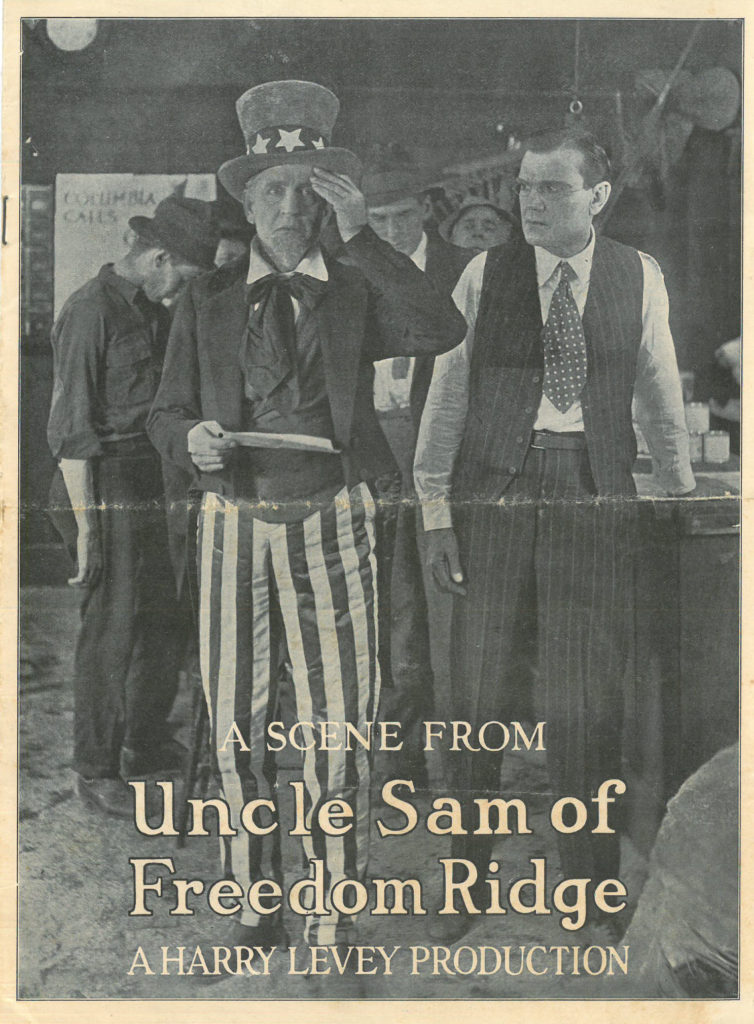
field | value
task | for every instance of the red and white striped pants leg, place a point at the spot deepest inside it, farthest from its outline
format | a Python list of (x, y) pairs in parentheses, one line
[(324, 575), (238, 663)]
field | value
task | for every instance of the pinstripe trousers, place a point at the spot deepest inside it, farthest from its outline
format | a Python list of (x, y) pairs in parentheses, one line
[(550, 576), (316, 577)]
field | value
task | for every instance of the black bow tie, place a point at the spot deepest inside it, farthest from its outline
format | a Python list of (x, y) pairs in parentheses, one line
[(269, 352), (305, 289)]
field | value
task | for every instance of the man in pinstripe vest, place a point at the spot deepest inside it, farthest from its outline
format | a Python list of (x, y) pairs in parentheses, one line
[(524, 467), (284, 343)]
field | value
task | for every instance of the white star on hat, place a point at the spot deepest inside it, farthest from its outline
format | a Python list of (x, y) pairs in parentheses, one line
[(260, 145), (319, 143), (290, 140)]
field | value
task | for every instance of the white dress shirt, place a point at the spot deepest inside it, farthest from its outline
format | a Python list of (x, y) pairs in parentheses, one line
[(658, 398), (395, 392)]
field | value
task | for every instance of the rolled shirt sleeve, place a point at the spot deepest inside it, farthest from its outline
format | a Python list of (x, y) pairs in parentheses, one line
[(444, 418), (658, 396), (78, 341)]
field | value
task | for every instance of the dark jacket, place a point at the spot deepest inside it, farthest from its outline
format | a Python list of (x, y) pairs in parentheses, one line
[(445, 264), (379, 306)]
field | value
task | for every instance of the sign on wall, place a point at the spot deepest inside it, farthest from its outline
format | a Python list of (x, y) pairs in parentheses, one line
[(92, 213), (36, 262)]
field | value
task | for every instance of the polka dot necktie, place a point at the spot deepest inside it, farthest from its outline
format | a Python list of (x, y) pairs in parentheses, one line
[(564, 344)]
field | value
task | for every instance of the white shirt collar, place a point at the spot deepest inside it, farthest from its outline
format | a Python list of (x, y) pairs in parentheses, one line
[(581, 263), (419, 255), (312, 264)]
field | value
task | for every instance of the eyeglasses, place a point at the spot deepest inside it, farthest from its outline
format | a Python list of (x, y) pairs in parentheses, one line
[(552, 190)]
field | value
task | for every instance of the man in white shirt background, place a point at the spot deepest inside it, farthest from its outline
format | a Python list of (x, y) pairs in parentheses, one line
[(415, 621), (524, 469)]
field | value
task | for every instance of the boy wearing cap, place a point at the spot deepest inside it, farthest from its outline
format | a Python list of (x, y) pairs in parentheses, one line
[(479, 224), (285, 345), (108, 346)]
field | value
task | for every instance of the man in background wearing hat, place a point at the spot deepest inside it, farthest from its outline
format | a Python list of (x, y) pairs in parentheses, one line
[(479, 224), (416, 624), (108, 346), (235, 231), (285, 345)]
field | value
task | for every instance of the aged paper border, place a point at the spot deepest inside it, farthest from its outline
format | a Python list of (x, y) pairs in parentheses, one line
[(126, 1011)]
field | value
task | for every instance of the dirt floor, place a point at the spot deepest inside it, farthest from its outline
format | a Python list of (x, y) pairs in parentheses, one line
[(77, 940)]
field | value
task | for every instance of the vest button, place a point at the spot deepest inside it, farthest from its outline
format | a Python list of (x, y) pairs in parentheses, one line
[(529, 408), (512, 470), (536, 378), (520, 439)]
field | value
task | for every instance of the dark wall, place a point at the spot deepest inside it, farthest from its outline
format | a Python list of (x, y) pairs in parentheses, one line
[(157, 96)]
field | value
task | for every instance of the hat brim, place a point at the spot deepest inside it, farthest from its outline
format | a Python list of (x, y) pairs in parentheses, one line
[(445, 230), (395, 195), (203, 257), (234, 174)]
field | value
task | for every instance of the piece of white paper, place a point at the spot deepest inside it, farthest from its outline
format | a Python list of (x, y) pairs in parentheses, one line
[(294, 442)]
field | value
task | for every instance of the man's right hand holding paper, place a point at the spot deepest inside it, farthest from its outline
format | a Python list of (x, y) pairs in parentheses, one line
[(208, 449)]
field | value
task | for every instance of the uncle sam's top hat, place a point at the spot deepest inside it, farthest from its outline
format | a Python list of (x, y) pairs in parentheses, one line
[(287, 122)]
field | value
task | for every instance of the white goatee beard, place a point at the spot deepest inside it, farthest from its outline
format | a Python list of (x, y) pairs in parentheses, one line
[(286, 249), (286, 254)]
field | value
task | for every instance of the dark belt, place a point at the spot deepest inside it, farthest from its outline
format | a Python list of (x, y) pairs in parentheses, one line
[(574, 441), (127, 446)]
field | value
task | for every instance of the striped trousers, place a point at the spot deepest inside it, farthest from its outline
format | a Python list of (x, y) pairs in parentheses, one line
[(550, 581), (316, 579)]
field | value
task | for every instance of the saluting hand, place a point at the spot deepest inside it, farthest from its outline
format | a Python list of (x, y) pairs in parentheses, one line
[(346, 199)]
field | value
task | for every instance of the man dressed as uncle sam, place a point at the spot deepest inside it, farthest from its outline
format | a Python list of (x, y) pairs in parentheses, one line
[(284, 344)]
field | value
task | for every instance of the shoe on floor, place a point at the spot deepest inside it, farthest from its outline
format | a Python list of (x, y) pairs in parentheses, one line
[(111, 796), (267, 933), (448, 928), (167, 756)]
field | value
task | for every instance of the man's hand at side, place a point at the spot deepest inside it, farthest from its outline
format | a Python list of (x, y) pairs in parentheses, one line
[(88, 557), (444, 561), (78, 475), (208, 449)]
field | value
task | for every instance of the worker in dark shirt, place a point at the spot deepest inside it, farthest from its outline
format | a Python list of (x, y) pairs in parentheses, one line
[(108, 346)]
